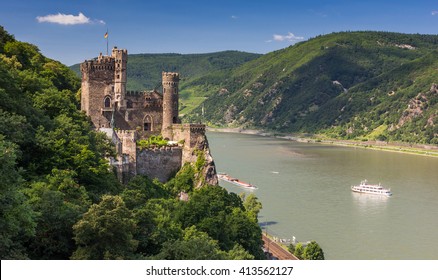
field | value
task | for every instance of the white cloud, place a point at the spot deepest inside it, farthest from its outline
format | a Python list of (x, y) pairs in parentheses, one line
[(68, 19), (434, 13), (290, 37), (234, 17)]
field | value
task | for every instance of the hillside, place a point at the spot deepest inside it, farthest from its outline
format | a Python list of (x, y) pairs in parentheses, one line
[(353, 85)]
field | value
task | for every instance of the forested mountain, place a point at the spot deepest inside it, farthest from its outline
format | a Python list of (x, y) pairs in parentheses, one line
[(354, 85), (59, 198)]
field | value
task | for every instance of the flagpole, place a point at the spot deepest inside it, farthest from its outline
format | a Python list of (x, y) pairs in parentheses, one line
[(107, 42)]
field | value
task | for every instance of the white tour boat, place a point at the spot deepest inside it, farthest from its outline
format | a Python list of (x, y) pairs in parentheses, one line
[(364, 187)]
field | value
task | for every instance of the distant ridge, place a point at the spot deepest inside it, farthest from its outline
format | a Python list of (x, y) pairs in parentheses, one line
[(144, 70)]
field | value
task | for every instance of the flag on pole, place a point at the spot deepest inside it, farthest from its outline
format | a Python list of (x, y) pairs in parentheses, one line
[(106, 35)]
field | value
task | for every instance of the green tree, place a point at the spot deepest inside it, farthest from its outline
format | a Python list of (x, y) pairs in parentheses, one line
[(157, 224), (140, 189), (239, 253), (105, 231), (313, 252), (183, 180), (194, 245), (16, 217), (252, 205), (299, 250), (243, 230), (59, 203)]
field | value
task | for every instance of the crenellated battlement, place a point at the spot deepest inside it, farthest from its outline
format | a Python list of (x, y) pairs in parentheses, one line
[(100, 63), (170, 77), (192, 127), (126, 133), (115, 51)]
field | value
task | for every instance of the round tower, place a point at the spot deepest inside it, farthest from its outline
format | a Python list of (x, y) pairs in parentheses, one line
[(170, 102)]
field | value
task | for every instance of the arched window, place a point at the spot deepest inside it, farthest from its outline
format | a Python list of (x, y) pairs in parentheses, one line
[(147, 123), (129, 104), (107, 102)]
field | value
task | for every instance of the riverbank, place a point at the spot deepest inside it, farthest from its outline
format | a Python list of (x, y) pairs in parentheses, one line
[(415, 149)]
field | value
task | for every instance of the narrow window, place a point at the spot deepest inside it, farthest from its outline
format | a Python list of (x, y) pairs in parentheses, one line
[(107, 102), (147, 124)]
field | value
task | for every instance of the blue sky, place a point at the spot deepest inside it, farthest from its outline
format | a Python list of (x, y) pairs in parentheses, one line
[(73, 30)]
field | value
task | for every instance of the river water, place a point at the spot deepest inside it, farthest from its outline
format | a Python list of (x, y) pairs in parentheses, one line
[(305, 192)]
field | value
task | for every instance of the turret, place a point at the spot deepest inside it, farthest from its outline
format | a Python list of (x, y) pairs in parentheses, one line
[(170, 102)]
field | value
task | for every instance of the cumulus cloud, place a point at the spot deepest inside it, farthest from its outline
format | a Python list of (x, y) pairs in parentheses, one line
[(290, 37), (68, 19), (434, 13)]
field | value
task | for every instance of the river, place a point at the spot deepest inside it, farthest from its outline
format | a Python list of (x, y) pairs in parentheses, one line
[(305, 192)]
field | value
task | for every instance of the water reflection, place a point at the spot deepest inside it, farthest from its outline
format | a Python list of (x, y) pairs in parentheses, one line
[(367, 202)]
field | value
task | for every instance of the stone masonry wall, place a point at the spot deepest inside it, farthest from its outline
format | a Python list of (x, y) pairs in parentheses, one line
[(159, 163)]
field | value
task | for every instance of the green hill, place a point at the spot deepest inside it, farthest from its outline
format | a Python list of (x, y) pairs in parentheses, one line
[(353, 85)]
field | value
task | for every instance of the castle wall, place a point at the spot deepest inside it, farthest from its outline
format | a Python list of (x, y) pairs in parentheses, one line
[(159, 163), (193, 136), (127, 152)]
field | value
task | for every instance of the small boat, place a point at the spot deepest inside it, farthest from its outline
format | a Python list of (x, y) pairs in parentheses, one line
[(364, 187), (227, 178)]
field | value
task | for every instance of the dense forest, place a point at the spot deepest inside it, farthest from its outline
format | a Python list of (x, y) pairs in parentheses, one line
[(59, 198)]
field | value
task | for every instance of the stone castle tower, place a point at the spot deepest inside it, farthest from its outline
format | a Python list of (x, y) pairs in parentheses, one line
[(128, 116), (170, 102), (120, 77)]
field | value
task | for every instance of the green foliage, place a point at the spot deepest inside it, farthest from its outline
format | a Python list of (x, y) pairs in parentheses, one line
[(183, 181), (140, 189), (299, 251), (221, 215), (16, 217), (252, 205), (313, 252), (154, 141), (105, 231), (194, 245), (59, 203), (200, 160), (55, 158)]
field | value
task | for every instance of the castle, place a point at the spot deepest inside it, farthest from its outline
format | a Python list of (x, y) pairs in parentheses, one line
[(129, 116)]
